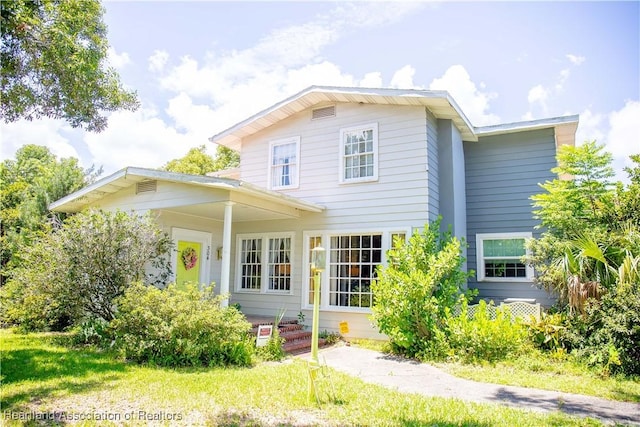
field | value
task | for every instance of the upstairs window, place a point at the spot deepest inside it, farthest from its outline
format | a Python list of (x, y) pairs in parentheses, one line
[(359, 153), (284, 170), (499, 257)]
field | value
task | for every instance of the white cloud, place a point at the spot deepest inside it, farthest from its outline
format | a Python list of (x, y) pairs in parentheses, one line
[(618, 130), (137, 138), (285, 52), (590, 127), (576, 59), (403, 78), (537, 98), (117, 60), (45, 131), (373, 80), (158, 60), (473, 102), (623, 138)]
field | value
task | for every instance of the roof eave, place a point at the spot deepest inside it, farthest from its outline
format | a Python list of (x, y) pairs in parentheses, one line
[(232, 136), (200, 180)]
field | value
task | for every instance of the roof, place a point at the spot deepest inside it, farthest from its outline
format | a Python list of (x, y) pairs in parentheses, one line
[(564, 126), (440, 103), (129, 176)]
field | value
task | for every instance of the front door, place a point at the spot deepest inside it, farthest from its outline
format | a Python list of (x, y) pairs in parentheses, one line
[(191, 260)]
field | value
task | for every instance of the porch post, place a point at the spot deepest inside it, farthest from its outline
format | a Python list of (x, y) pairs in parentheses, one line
[(226, 251)]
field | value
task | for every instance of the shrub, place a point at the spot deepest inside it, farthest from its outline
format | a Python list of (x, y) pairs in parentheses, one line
[(548, 332), (482, 338), (422, 281), (93, 332), (613, 339), (75, 272), (174, 327)]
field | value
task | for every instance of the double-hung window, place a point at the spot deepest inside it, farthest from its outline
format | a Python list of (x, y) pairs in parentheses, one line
[(284, 170), (359, 153), (264, 263), (499, 257)]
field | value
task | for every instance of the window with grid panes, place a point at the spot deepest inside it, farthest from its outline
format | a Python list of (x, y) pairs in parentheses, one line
[(353, 260), (500, 257), (314, 242), (251, 264), (279, 264), (283, 163), (359, 153)]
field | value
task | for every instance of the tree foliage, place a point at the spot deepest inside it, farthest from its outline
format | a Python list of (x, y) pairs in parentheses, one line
[(198, 162), (577, 196), (28, 185), (421, 284), (590, 252), (78, 270), (54, 63)]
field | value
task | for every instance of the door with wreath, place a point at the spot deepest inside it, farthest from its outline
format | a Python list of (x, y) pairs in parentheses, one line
[(191, 257)]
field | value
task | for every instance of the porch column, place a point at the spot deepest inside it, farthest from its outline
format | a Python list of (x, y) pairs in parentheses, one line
[(226, 251)]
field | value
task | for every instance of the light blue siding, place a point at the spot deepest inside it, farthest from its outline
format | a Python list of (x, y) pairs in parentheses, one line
[(502, 172)]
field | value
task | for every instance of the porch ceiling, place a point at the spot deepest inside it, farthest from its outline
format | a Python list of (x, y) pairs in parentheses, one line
[(241, 212)]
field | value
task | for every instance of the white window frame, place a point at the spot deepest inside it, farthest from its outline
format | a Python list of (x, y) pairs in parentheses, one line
[(343, 157), (480, 259), (264, 262), (295, 178), (326, 236)]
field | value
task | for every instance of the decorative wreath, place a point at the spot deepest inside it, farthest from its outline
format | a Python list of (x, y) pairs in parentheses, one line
[(189, 258)]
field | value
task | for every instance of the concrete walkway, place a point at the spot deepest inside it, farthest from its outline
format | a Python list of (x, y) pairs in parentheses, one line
[(413, 377)]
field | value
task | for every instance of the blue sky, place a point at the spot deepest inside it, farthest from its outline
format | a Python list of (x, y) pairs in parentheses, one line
[(200, 67)]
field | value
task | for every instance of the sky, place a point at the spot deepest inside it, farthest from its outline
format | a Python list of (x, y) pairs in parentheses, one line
[(200, 67)]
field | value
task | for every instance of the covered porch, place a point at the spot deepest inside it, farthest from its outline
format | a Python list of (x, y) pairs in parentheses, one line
[(220, 202)]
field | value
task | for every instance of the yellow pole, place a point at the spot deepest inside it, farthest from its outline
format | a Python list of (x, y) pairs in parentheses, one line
[(314, 364), (316, 316)]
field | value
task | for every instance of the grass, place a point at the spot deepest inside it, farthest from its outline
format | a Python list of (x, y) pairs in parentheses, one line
[(537, 370), (41, 377)]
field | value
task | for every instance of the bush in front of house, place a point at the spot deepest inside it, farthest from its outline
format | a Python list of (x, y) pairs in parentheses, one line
[(174, 327), (413, 293), (74, 271), (483, 337)]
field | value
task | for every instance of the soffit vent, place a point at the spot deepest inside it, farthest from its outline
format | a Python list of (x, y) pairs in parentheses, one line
[(324, 112), (148, 186)]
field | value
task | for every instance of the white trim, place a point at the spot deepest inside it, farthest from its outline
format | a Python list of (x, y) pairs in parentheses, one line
[(296, 176), (341, 155), (264, 262), (480, 237)]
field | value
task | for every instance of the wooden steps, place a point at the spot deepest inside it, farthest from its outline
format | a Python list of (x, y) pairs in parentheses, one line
[(297, 339)]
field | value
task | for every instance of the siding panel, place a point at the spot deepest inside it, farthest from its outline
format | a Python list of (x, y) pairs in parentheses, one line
[(502, 172)]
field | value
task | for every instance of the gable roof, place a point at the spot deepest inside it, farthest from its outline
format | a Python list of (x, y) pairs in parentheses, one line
[(440, 103), (129, 176)]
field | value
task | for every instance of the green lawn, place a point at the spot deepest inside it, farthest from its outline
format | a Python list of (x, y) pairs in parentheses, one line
[(41, 378)]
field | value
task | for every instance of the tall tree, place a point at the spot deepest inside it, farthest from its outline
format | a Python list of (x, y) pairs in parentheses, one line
[(198, 162), (53, 59), (28, 185), (576, 198)]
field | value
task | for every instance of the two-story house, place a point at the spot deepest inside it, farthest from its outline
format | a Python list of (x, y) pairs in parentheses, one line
[(348, 169)]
